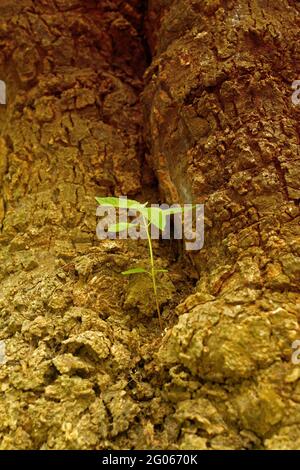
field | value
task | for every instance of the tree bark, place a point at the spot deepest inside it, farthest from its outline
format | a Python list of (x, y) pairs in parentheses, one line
[(222, 130), (85, 366), (71, 131)]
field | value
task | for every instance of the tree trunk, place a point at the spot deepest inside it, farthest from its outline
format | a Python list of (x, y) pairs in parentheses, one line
[(70, 132), (84, 365)]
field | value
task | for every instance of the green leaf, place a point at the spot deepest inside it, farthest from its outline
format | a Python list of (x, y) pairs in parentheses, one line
[(120, 203), (107, 201), (155, 216), (134, 271), (193, 206), (120, 227)]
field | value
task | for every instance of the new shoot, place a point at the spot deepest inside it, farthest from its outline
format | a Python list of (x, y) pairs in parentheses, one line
[(148, 216)]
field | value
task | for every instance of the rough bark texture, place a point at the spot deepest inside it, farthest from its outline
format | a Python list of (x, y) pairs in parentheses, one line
[(76, 333), (222, 130), (85, 365)]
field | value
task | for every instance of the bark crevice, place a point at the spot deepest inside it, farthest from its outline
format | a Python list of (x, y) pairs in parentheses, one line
[(212, 122)]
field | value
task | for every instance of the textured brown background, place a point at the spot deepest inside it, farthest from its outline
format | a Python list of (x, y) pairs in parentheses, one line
[(213, 117)]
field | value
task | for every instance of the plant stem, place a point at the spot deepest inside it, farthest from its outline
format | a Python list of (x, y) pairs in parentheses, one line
[(153, 272)]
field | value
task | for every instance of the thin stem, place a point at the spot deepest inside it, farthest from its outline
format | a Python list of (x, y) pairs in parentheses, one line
[(153, 273)]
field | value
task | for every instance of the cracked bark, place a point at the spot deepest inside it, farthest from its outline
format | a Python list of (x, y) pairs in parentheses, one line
[(220, 129)]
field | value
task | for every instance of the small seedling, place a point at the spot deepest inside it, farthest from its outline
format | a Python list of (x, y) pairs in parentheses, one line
[(148, 216)]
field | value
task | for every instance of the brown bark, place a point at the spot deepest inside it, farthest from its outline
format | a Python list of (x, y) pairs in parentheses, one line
[(82, 369), (222, 130)]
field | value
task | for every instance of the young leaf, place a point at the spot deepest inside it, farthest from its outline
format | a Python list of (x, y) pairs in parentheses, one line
[(108, 201), (192, 206), (155, 216), (178, 210), (134, 271), (119, 227), (121, 203)]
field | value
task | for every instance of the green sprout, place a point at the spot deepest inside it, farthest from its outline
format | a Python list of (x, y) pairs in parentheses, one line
[(149, 216)]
